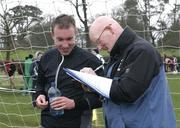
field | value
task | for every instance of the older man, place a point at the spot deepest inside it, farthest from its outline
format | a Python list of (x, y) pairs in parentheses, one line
[(139, 94)]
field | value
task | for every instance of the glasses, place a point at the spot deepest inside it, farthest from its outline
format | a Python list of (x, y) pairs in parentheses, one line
[(107, 27)]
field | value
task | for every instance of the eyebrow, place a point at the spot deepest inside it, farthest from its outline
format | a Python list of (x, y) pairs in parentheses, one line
[(68, 38)]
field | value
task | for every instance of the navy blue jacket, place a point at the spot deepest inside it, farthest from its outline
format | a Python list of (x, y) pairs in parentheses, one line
[(139, 95)]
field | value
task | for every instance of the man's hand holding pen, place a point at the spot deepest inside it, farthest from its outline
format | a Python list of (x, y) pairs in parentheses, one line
[(90, 70)]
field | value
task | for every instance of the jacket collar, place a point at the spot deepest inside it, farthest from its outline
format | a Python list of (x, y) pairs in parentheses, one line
[(124, 40)]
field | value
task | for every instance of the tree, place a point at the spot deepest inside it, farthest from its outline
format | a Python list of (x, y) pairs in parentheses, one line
[(82, 18), (6, 30), (129, 15), (133, 17), (150, 10), (119, 15), (23, 17), (172, 37), (40, 34), (15, 23), (141, 16)]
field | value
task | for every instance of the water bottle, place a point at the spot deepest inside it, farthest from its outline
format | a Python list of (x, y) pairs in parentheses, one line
[(53, 93)]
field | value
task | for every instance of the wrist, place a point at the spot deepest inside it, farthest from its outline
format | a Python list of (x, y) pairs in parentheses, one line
[(73, 104)]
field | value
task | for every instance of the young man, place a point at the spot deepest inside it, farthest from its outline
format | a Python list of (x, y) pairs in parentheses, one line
[(139, 95), (74, 99)]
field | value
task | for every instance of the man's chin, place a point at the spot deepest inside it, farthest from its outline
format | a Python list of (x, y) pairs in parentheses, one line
[(65, 53)]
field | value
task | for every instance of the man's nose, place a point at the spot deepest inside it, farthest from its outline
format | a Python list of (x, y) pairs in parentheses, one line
[(65, 44)]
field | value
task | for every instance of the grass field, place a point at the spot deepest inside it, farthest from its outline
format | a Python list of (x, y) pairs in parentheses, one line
[(16, 109)]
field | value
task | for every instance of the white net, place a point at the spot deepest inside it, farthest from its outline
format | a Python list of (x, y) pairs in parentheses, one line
[(25, 29)]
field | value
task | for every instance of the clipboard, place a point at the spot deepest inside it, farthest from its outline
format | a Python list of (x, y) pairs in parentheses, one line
[(101, 85)]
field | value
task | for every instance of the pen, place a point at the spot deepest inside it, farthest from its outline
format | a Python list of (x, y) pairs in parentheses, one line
[(101, 66)]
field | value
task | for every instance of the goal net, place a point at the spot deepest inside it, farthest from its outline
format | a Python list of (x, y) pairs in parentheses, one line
[(25, 30)]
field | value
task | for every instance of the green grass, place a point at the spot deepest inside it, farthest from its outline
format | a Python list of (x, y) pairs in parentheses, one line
[(20, 54), (16, 108), (169, 52), (174, 85)]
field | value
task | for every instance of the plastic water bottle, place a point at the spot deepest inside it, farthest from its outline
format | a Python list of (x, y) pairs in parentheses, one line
[(53, 93)]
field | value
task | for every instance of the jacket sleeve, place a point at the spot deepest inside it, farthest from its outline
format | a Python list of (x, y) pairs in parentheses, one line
[(41, 81), (91, 99), (141, 67)]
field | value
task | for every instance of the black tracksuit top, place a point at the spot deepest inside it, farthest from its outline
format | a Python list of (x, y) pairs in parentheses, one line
[(76, 60)]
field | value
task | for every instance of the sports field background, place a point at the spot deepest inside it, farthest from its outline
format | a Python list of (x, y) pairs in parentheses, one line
[(16, 109)]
